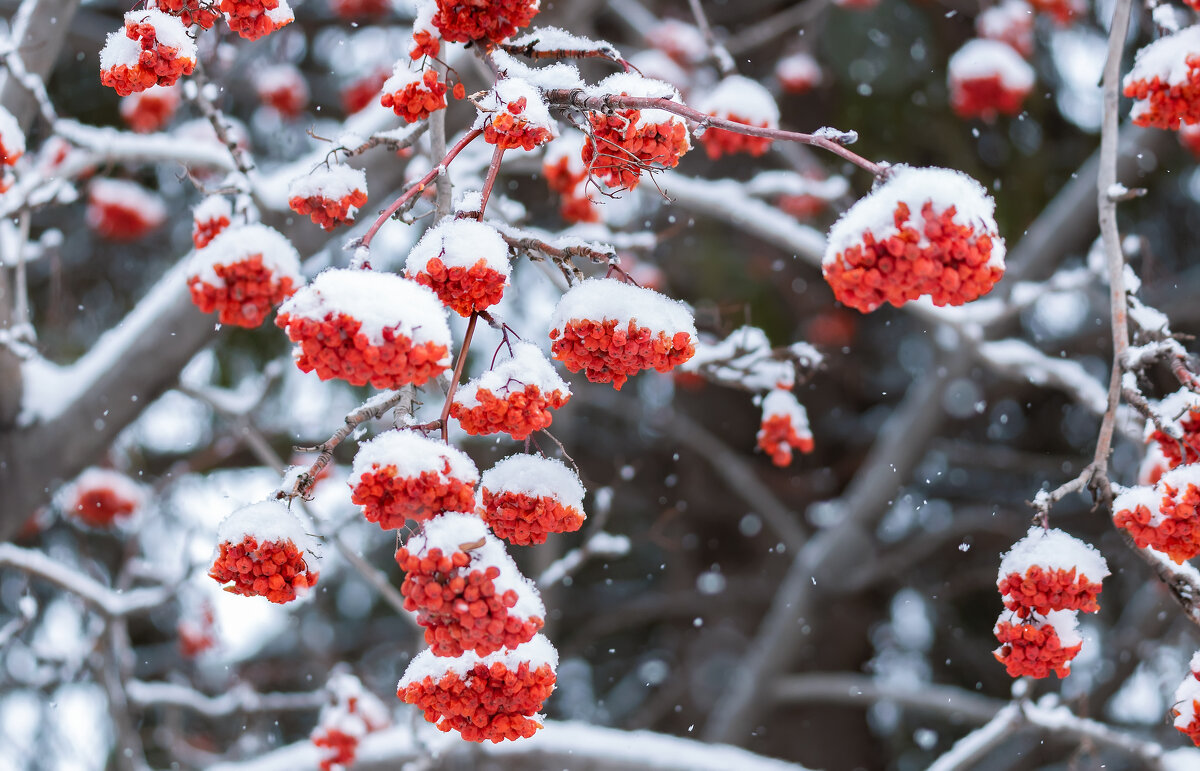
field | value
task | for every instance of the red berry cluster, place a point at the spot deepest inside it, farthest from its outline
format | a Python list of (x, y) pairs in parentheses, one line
[(359, 93), (343, 748), (1192, 729), (718, 142), (424, 44), (328, 212), (9, 155), (1064, 12), (335, 347), (985, 97), (1182, 450), (1165, 106), (802, 207), (204, 231), (101, 506), (483, 21), (252, 19), (249, 293), (1176, 532), (952, 267), (527, 519), (388, 499), (575, 206), (463, 290), (461, 609), (1033, 649), (621, 147), (1186, 710), (607, 354), (273, 569), (157, 64), (197, 637), (417, 99), (190, 12), (119, 220), (359, 9), (507, 129), (285, 91), (149, 110), (1043, 590), (517, 412), (777, 436)]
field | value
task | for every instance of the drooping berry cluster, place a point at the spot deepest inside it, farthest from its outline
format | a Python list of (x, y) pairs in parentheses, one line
[(402, 475), (494, 698), (413, 95), (330, 195), (202, 13), (922, 232), (527, 497), (624, 144), (515, 117), (741, 100), (284, 89), (1164, 517), (565, 174), (242, 273), (209, 218), (514, 397), (988, 78), (482, 21), (253, 19), (367, 327), (120, 210), (353, 713), (1165, 81), (152, 49), (1181, 417), (1009, 22), (150, 110), (261, 553), (1046, 580), (465, 589), (611, 330), (784, 427), (102, 498), (464, 262), (1186, 709)]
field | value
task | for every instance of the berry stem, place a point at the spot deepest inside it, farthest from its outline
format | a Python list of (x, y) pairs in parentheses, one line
[(458, 369), (419, 186), (490, 182)]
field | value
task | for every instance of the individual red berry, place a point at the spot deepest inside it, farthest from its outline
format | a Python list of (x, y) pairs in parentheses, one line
[(784, 427), (102, 498), (364, 327), (741, 100), (1009, 22), (487, 22), (413, 95), (1049, 570), (1165, 81), (243, 273), (514, 397), (119, 210), (331, 195), (464, 262), (627, 142), (1038, 645), (153, 49), (611, 330), (1164, 517), (988, 78), (261, 553), (465, 589), (402, 475), (924, 231), (527, 497)]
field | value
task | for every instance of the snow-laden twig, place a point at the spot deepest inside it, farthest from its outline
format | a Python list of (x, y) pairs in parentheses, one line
[(852, 688), (719, 55), (979, 742), (600, 544), (241, 699), (1019, 360), (108, 602)]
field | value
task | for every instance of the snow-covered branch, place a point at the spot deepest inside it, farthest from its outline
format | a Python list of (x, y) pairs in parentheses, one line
[(109, 602), (240, 699)]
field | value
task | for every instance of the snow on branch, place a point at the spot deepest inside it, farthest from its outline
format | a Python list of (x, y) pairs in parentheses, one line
[(1018, 359), (599, 545), (239, 700), (109, 602)]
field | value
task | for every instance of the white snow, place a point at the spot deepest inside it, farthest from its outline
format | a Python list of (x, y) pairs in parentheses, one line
[(536, 653), (241, 242), (1194, 664), (536, 476), (980, 59), (781, 402), (527, 366), (604, 299), (546, 39), (680, 38), (776, 182), (742, 99), (212, 209), (1066, 626), (460, 243), (280, 15), (745, 357), (412, 454), (379, 301), (169, 31), (1053, 550), (279, 77), (451, 529), (1166, 58), (402, 76), (128, 195), (11, 136), (1185, 696), (267, 521), (334, 182), (1142, 495), (559, 75), (1004, 20), (1173, 410), (655, 64), (915, 186), (632, 84), (799, 67)]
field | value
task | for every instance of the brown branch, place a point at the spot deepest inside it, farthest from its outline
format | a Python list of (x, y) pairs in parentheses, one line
[(490, 182), (373, 409), (458, 370)]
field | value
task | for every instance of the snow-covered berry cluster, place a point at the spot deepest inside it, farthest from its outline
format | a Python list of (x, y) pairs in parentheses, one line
[(152, 49), (402, 475), (798, 73), (209, 218), (988, 78), (1186, 709), (260, 553), (515, 117), (1165, 81), (465, 589), (741, 100), (199, 634), (199, 13), (353, 713), (120, 210), (1009, 22), (150, 110), (527, 497), (464, 262), (923, 231), (102, 498), (425, 40), (1164, 517), (493, 698), (482, 21), (1046, 580), (282, 88), (360, 9), (1180, 414), (253, 19), (329, 194), (367, 327), (413, 95), (623, 144), (514, 397), (242, 273), (784, 427), (610, 330), (566, 174)]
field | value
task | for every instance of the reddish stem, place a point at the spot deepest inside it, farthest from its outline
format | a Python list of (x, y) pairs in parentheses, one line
[(458, 370), (419, 185), (490, 182)]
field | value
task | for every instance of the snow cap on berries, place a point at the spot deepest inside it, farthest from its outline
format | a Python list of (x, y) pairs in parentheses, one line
[(784, 427), (12, 139), (741, 99), (426, 41), (464, 261), (1163, 82), (121, 210), (210, 217), (1009, 22), (681, 41), (101, 497), (1051, 570), (798, 72), (986, 78), (266, 522), (632, 84), (402, 475), (330, 194), (537, 476), (513, 397), (607, 299), (260, 552), (1186, 707), (239, 243), (243, 272), (1053, 549), (527, 497), (353, 713), (413, 95), (513, 115), (253, 19), (282, 87), (1179, 414), (152, 48)]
